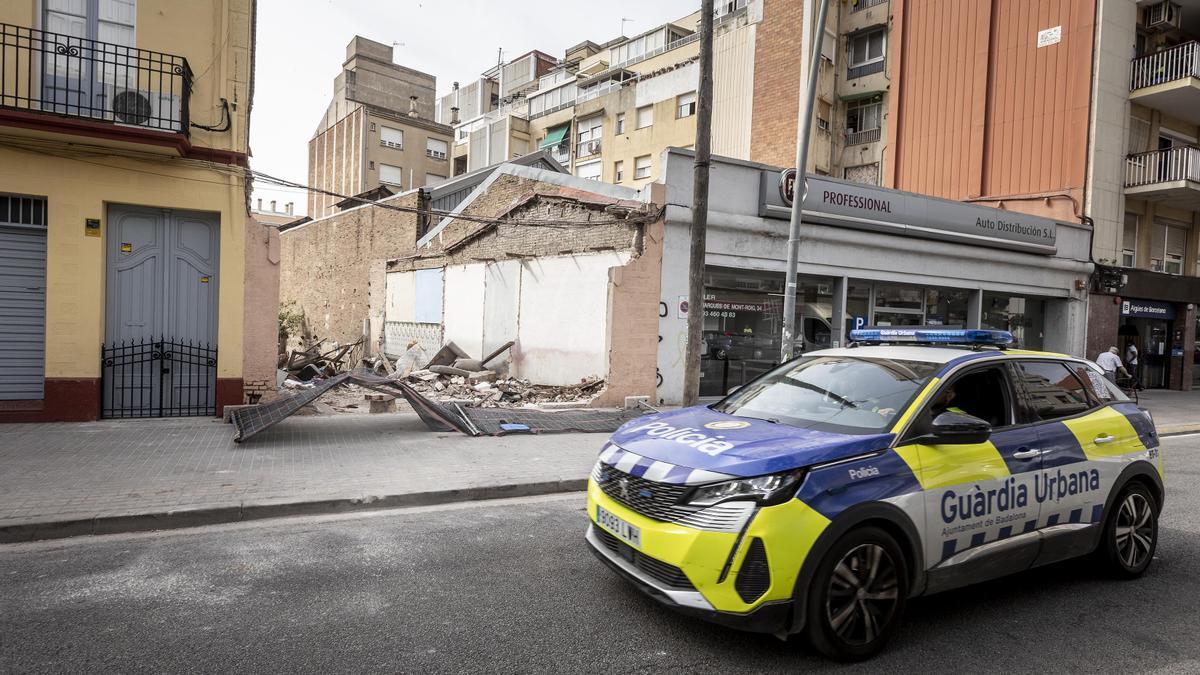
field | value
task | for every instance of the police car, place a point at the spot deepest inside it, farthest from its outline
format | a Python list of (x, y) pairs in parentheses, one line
[(821, 496)]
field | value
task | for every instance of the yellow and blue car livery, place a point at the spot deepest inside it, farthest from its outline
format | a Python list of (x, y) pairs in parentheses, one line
[(674, 508)]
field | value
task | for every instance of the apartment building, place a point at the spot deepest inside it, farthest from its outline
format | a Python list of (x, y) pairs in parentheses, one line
[(126, 249), (378, 135)]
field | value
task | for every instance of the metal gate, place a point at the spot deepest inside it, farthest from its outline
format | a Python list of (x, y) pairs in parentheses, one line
[(158, 378)]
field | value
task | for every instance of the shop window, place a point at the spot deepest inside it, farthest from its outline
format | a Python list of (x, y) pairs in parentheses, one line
[(1023, 317), (1129, 241), (944, 307), (641, 167)]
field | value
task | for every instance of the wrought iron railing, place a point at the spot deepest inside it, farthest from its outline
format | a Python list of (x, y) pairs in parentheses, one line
[(1163, 166), (864, 136), (76, 77), (158, 377), (1168, 65)]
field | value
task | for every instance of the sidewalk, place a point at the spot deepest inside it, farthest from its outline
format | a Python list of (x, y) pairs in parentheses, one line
[(62, 480)]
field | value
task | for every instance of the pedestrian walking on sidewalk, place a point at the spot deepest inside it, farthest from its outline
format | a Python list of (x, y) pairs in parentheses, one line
[(1110, 361)]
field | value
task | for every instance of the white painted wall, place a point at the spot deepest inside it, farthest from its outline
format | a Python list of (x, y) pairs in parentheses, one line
[(502, 296), (563, 335), (400, 303), (462, 307), (669, 85)]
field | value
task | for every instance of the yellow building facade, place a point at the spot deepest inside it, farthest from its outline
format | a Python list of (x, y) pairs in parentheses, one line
[(123, 147)]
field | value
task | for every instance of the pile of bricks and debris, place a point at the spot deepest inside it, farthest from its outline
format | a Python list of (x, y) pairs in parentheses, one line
[(452, 376)]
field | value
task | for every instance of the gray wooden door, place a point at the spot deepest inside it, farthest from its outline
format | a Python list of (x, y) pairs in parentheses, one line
[(22, 302), (162, 284)]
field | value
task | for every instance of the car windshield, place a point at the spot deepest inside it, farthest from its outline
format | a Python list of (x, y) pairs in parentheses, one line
[(832, 393)]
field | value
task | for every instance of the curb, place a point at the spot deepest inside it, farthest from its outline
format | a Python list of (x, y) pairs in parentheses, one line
[(171, 520)]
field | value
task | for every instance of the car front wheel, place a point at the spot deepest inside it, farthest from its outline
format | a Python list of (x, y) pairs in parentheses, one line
[(858, 595)]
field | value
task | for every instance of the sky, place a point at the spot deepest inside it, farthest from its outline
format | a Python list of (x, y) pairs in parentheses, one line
[(302, 43)]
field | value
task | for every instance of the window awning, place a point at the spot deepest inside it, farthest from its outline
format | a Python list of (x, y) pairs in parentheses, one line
[(555, 135), (859, 95)]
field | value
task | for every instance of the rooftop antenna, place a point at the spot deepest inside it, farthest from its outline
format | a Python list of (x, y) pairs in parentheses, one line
[(623, 25), (499, 55)]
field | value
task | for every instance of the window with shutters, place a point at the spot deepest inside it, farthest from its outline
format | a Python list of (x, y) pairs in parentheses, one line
[(391, 175), (620, 123), (645, 116), (435, 148), (641, 167), (432, 179), (391, 138), (867, 51), (590, 170), (1168, 242), (618, 171), (685, 105), (1129, 241), (590, 131)]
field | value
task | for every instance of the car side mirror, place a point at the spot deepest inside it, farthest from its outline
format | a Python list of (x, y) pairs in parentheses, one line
[(951, 428)]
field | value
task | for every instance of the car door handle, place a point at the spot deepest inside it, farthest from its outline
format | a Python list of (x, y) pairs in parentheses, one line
[(1106, 438), (1026, 454)]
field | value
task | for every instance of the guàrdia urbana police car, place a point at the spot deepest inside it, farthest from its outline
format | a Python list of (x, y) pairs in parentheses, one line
[(820, 497)]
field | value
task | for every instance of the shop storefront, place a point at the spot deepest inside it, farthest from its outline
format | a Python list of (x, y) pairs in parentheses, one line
[(869, 256), (1154, 312)]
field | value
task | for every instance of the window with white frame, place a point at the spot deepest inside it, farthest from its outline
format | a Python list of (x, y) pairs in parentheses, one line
[(641, 167), (589, 131), (638, 46), (685, 105), (590, 170), (867, 51), (391, 175), (391, 138), (863, 120), (435, 148), (1129, 241), (645, 116), (620, 123), (1168, 242), (618, 171)]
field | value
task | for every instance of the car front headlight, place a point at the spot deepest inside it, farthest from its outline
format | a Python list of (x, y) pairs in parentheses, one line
[(766, 490)]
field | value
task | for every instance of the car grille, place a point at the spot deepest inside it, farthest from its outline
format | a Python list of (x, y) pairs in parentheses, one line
[(754, 578), (666, 574), (660, 501)]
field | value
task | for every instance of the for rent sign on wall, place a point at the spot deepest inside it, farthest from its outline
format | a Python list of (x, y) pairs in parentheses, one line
[(836, 202)]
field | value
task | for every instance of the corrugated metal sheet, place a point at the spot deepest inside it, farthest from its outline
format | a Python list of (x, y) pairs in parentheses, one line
[(733, 92), (981, 109), (23, 306)]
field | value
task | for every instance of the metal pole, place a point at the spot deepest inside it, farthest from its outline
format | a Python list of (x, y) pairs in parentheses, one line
[(803, 134), (695, 318)]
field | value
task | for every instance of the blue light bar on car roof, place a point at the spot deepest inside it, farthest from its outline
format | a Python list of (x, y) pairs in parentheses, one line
[(949, 336)]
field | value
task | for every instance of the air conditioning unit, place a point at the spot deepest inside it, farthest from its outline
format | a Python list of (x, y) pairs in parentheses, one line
[(143, 108), (593, 147), (1163, 16)]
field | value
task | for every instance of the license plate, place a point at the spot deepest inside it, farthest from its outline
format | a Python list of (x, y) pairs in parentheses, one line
[(630, 534)]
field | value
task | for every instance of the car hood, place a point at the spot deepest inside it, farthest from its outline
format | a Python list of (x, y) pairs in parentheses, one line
[(701, 438)]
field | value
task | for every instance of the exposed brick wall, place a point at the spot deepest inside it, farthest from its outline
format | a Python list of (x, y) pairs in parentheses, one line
[(326, 265), (776, 83)]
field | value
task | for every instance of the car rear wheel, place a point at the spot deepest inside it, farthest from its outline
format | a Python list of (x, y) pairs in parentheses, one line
[(858, 595), (1131, 532)]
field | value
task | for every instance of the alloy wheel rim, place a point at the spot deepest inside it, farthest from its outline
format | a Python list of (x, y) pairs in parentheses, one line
[(1134, 530), (863, 592)]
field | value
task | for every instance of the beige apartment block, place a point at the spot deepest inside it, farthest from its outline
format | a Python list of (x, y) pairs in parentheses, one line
[(378, 132)]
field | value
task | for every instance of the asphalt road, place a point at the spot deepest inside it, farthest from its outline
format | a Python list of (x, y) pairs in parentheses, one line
[(509, 587)]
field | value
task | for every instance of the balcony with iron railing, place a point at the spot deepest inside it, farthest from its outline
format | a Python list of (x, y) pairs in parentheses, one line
[(1170, 176), (1169, 81), (54, 81), (864, 136)]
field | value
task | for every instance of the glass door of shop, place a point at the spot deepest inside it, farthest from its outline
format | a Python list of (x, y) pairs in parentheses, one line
[(899, 306)]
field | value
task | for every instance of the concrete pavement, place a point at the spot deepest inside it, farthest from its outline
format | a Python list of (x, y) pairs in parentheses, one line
[(61, 480), (508, 587)]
